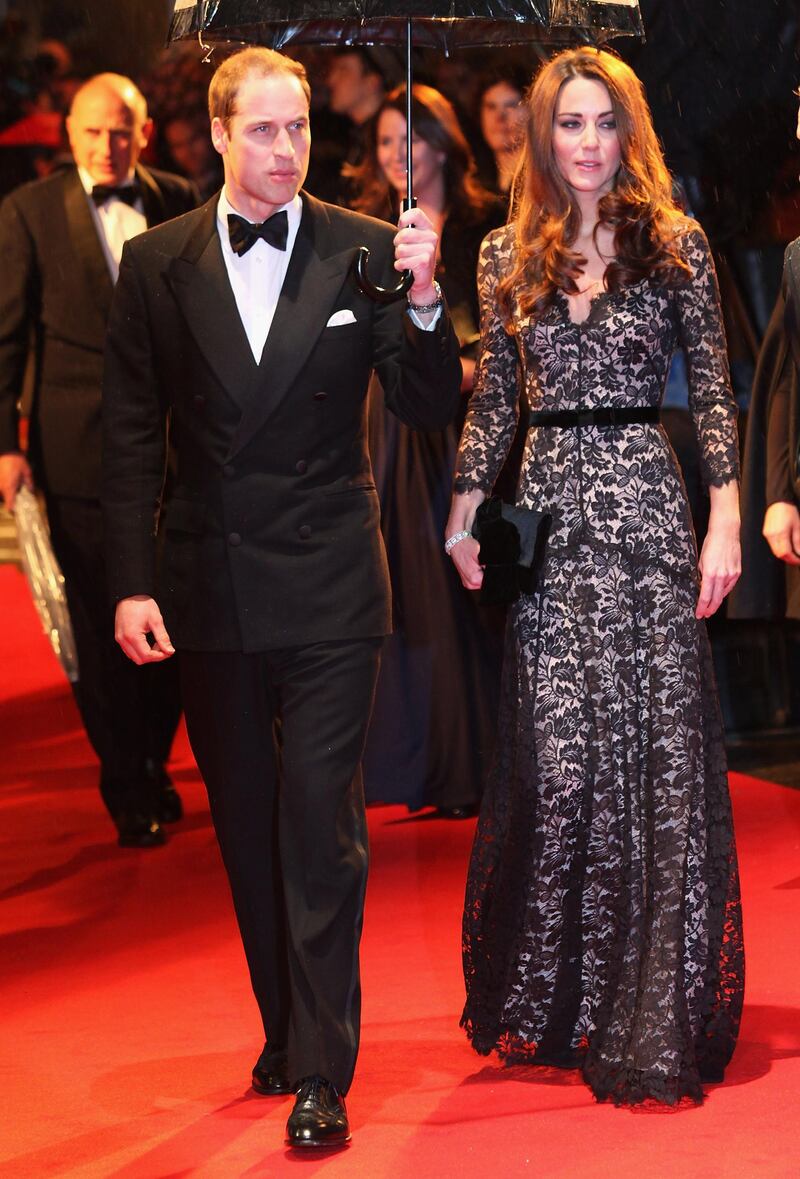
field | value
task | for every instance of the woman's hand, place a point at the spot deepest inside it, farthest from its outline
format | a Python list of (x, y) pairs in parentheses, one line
[(464, 554), (721, 557)]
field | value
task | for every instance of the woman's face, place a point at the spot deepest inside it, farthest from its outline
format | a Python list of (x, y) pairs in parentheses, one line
[(503, 116), (585, 138), (391, 151)]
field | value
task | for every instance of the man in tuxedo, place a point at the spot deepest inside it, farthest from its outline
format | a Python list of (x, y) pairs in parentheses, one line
[(771, 470), (243, 324), (60, 243)]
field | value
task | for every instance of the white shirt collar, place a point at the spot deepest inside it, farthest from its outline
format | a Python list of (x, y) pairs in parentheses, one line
[(88, 183)]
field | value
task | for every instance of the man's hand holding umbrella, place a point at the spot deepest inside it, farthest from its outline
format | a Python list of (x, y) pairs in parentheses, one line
[(415, 247), (14, 473)]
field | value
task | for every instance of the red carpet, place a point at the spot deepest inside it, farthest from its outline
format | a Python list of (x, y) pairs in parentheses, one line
[(129, 1028)]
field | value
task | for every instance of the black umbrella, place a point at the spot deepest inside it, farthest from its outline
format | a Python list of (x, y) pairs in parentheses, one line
[(425, 24)]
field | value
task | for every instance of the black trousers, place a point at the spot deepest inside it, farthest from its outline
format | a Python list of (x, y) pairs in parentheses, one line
[(278, 737), (130, 713)]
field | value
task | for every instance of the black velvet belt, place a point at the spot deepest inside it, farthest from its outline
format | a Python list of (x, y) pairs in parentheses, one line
[(604, 415)]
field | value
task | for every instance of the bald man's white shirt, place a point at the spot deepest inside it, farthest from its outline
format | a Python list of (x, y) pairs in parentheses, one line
[(116, 221)]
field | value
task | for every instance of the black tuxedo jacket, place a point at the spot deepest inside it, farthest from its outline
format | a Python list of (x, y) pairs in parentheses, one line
[(768, 588), (55, 296), (791, 296), (272, 536)]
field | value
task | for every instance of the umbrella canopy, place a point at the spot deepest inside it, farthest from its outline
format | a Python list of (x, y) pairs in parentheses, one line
[(437, 24)]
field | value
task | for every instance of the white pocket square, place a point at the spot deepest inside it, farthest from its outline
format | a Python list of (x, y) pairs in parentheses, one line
[(341, 317)]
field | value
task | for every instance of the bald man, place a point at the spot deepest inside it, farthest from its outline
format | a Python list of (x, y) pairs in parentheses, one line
[(61, 241)]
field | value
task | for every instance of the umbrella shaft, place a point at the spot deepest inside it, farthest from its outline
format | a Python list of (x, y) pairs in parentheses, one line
[(409, 201)]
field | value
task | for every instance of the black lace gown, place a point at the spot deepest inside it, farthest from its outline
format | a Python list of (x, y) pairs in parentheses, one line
[(602, 926)]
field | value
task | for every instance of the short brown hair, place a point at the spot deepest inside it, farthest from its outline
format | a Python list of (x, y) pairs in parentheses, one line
[(257, 61)]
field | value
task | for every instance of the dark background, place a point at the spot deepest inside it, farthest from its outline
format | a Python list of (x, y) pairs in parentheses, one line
[(719, 75)]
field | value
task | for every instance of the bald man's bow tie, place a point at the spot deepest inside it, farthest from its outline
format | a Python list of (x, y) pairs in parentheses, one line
[(244, 234), (129, 193)]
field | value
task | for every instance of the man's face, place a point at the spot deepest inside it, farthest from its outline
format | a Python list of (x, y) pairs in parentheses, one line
[(105, 135), (503, 117), (348, 82), (266, 145)]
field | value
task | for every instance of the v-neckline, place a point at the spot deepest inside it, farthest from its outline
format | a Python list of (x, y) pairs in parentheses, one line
[(594, 301)]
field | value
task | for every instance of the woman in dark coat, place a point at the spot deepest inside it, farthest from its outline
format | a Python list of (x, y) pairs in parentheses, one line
[(428, 744)]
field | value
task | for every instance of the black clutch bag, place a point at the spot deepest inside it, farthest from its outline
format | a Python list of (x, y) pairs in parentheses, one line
[(513, 542)]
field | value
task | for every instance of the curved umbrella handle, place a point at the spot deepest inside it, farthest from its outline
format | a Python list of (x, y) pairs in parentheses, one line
[(370, 289), (361, 260)]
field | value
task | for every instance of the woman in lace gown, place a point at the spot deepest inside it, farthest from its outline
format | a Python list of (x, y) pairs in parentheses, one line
[(602, 926)]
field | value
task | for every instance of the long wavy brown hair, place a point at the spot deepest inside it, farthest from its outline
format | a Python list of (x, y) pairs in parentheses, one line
[(435, 121), (640, 208)]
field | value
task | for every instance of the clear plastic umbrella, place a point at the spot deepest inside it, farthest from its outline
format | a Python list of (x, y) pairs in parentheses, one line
[(45, 579)]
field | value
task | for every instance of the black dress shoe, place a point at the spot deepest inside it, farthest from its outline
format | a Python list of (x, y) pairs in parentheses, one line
[(319, 1117), (166, 804), (138, 830), (468, 811), (271, 1073)]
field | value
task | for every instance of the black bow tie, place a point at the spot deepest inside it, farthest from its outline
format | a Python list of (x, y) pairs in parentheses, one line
[(129, 193), (244, 234)]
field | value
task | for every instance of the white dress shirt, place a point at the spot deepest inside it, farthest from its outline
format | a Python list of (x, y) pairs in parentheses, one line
[(256, 277), (115, 221)]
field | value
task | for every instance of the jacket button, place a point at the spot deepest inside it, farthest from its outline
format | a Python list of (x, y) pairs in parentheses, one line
[(198, 400), (301, 467), (228, 470), (234, 539), (320, 396), (304, 531)]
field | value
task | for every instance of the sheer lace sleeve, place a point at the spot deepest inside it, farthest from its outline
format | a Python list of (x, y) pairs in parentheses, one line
[(703, 339), (494, 405)]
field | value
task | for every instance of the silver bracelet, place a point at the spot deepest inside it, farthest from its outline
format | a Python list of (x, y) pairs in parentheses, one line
[(453, 540), (425, 307)]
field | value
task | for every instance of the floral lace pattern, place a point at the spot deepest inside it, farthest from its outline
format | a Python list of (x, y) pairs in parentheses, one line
[(602, 926)]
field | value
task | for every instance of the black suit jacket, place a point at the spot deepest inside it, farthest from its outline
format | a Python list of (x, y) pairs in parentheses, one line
[(769, 588), (272, 536), (55, 296)]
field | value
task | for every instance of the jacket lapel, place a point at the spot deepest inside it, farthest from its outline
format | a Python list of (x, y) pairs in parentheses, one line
[(317, 271), (152, 198), (791, 270), (83, 235), (199, 282)]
